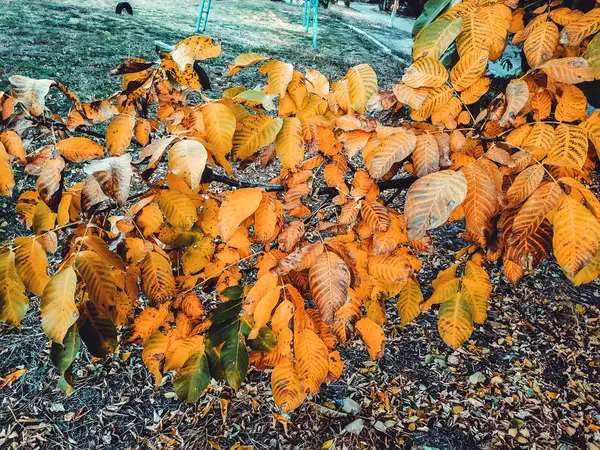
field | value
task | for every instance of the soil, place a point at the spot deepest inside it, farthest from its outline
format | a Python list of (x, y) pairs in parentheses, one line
[(528, 378)]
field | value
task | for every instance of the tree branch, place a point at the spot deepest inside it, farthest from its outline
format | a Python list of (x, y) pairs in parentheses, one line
[(209, 176)]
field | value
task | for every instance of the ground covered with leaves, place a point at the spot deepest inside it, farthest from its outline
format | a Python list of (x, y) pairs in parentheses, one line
[(528, 378)]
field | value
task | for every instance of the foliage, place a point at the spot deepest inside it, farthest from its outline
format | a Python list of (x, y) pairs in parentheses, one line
[(141, 243)]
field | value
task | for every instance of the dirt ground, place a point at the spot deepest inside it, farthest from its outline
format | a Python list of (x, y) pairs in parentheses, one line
[(528, 378)]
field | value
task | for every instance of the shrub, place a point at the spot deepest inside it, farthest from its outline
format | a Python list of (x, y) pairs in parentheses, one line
[(147, 248)]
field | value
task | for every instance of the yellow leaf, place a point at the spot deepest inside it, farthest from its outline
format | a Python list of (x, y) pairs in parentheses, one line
[(455, 321), (392, 149), (31, 264), (13, 301), (147, 322), (431, 199), (245, 60), (280, 75), (476, 288), (409, 301), (289, 144), (178, 209), (312, 360), (576, 236), (425, 72), (475, 35), (329, 279), (577, 30), (195, 48), (187, 159), (569, 148), (220, 126), (372, 334), (198, 255), (571, 70), (119, 133), (57, 305), (150, 219), (154, 354), (541, 44), (79, 149), (158, 282), (285, 384), (179, 351), (253, 133), (317, 83), (362, 84), (99, 279), (237, 207), (544, 199), (470, 67)]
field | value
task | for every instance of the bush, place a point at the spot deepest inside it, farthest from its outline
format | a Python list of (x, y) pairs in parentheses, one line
[(304, 246)]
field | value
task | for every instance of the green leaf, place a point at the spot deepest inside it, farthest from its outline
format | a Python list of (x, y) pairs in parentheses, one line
[(193, 378), (592, 55), (222, 331), (179, 239), (435, 38), (214, 360), (63, 356), (233, 292), (225, 311), (65, 382), (265, 342), (97, 331), (234, 360), (430, 11), (246, 324)]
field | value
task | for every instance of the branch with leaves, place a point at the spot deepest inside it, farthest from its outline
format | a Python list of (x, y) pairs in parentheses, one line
[(305, 262)]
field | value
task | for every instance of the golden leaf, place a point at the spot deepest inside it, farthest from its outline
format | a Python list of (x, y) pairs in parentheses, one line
[(286, 386), (470, 67), (57, 305), (362, 84), (237, 207), (455, 321), (158, 283), (431, 199), (569, 148), (372, 334), (329, 279), (119, 133), (13, 301), (178, 209), (289, 143), (425, 72), (280, 75), (79, 149), (31, 264), (576, 236), (409, 301), (253, 133), (541, 44), (187, 159), (312, 360)]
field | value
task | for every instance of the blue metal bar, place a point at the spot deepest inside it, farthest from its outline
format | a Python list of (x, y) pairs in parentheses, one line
[(306, 16), (203, 16), (315, 22)]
